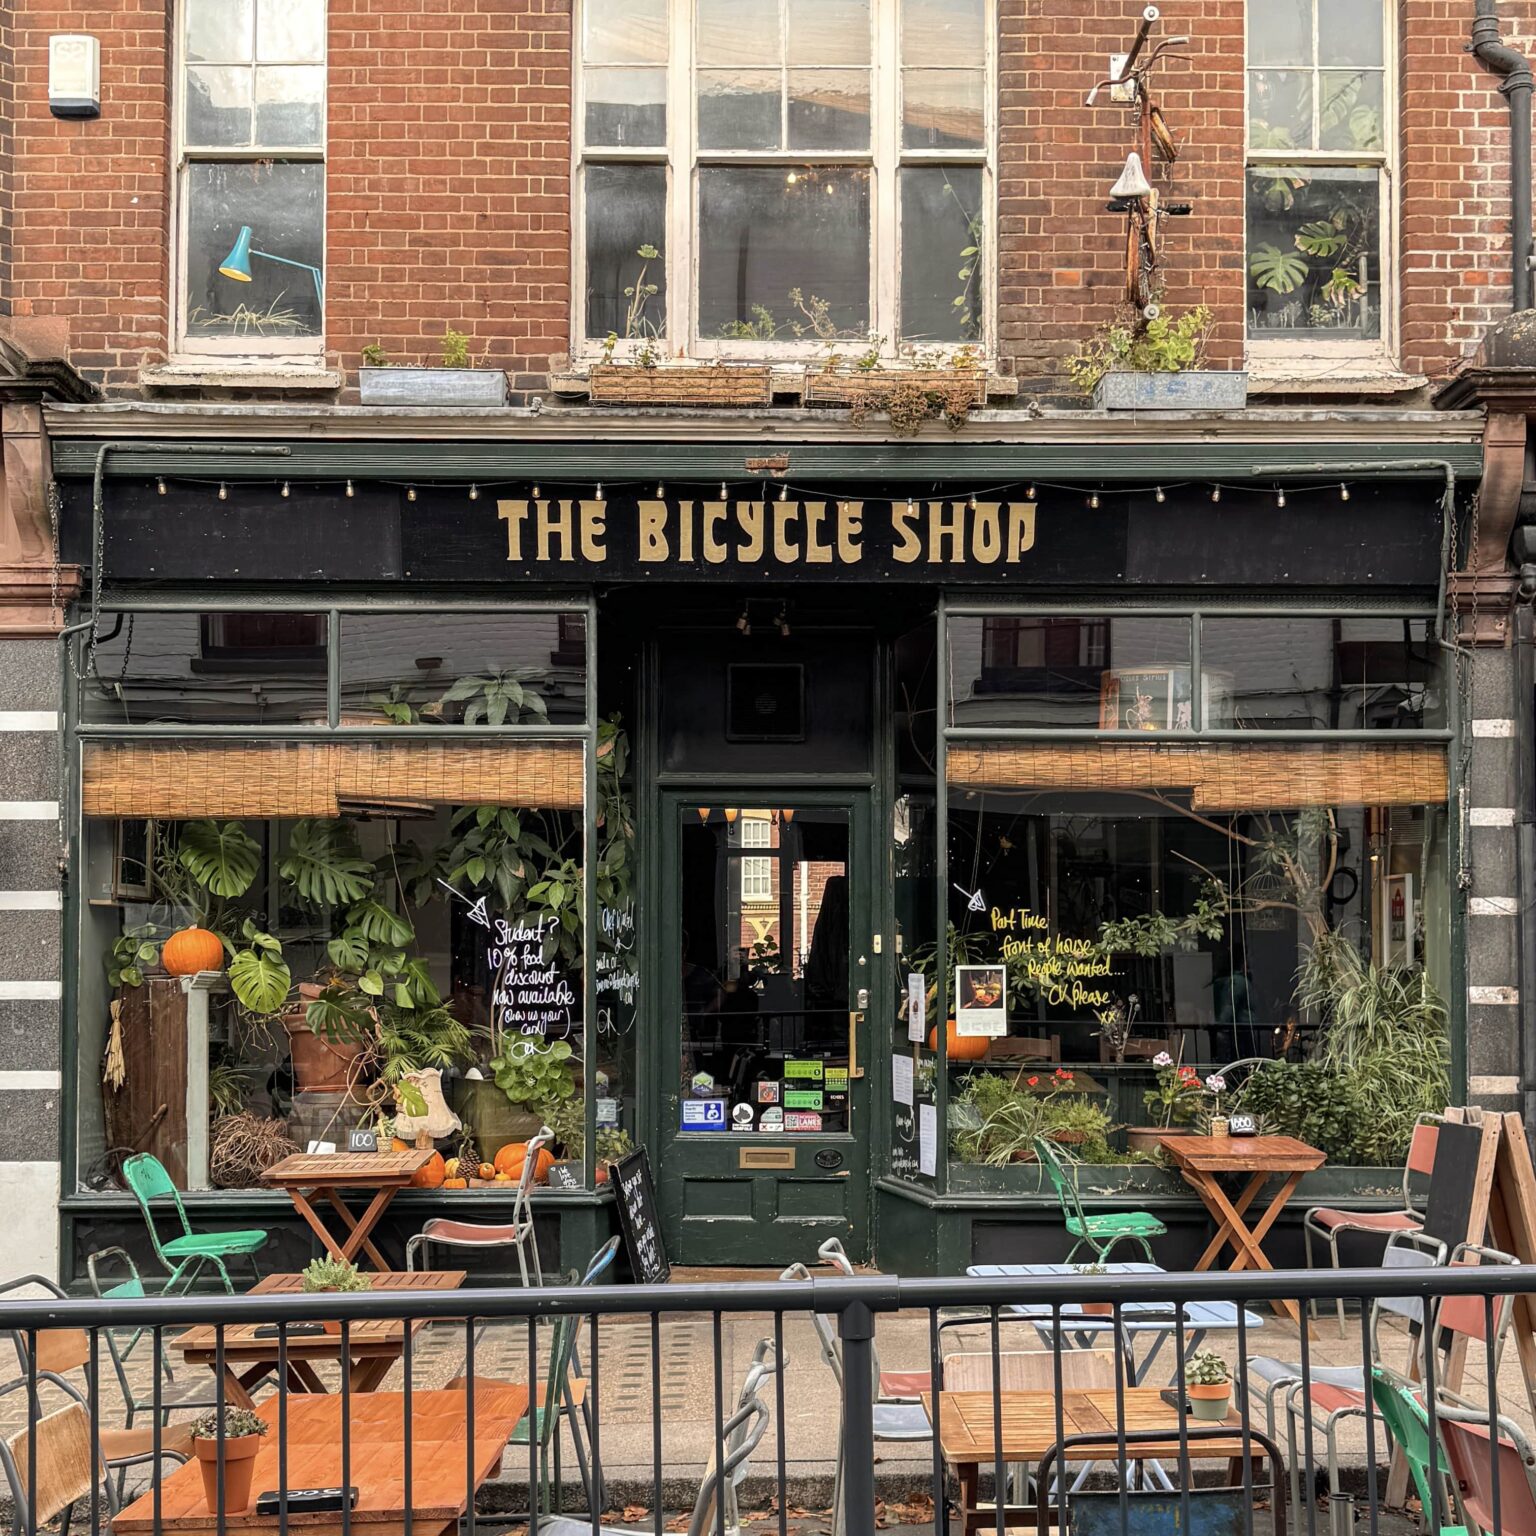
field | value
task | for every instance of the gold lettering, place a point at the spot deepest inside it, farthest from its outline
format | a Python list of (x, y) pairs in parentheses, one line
[(783, 515), (514, 514), (947, 523), (714, 546), (987, 532), (594, 531), (750, 516), (909, 547), (850, 532), (685, 529), (816, 553), (554, 518), (1021, 529), (653, 532)]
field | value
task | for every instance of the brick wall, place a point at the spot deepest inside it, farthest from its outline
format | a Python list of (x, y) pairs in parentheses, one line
[(449, 183)]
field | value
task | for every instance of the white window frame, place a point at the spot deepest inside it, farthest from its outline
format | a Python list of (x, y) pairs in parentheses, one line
[(885, 158), (1303, 353), (236, 349), (757, 871)]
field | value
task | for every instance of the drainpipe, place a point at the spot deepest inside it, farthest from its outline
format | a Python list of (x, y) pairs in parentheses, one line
[(1515, 85)]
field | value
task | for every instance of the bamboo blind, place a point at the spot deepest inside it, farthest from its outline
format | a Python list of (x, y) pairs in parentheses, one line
[(177, 780), (1218, 776)]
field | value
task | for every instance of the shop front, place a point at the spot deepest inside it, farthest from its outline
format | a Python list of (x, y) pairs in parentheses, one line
[(829, 832)]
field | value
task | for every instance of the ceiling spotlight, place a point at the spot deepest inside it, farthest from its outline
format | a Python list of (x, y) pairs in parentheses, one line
[(474, 493), (160, 485), (1215, 493), (410, 493), (1280, 498), (285, 490), (1158, 497), (1343, 493), (350, 490), (223, 491)]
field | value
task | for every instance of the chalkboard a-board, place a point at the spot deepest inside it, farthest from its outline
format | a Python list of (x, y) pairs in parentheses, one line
[(639, 1221), (1453, 1192)]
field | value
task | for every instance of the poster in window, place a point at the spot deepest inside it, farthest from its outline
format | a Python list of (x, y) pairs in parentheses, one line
[(981, 1000)]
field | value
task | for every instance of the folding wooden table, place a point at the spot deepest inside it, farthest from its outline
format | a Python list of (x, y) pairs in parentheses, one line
[(439, 1489), (1201, 1159), (308, 1174), (372, 1347)]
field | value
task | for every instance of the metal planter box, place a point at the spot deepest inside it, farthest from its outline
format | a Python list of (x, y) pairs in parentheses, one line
[(432, 386), (1195, 390)]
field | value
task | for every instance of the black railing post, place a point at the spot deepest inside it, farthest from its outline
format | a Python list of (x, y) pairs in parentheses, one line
[(856, 1329)]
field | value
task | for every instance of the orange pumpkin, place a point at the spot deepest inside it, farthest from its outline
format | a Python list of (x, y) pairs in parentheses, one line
[(455, 1183), (958, 1047), (431, 1173), (511, 1158), (192, 950), (487, 1171), (396, 1145)]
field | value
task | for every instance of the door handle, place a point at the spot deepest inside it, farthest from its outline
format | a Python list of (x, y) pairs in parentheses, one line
[(855, 1018)]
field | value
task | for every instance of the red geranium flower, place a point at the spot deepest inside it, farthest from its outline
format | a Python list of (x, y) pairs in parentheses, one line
[(1033, 1082)]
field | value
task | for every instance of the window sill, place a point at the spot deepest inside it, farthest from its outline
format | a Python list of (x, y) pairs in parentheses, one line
[(229, 375), (1330, 376), (787, 378)]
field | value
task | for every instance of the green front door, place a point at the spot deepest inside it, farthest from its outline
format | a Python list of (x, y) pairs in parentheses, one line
[(768, 974)]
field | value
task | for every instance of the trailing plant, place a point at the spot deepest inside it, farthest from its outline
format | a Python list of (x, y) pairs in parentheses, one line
[(1168, 344), (132, 952), (238, 1423), (331, 1274), (534, 1072)]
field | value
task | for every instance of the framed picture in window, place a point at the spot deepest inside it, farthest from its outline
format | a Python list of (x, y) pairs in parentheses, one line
[(981, 998)]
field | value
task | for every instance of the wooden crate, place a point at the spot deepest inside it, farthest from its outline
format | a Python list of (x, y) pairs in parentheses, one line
[(840, 386), (722, 384)]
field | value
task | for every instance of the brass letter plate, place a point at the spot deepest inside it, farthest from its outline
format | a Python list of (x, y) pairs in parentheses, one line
[(767, 1157)]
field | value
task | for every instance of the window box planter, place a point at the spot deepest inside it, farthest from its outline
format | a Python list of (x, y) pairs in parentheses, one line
[(690, 384), (1196, 389), (851, 386), (432, 386)]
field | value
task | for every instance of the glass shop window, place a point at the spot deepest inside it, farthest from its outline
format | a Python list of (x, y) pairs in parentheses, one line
[(251, 187), (237, 668), (485, 669)]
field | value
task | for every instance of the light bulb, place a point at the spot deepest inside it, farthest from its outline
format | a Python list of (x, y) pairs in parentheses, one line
[(843, 507), (1279, 498), (1343, 493), (599, 490), (1093, 500), (223, 491), (661, 491), (1029, 495), (1158, 496), (350, 490), (160, 486), (725, 495), (536, 492), (1215, 493), (474, 493), (973, 501), (285, 490), (783, 493), (911, 506), (410, 493)]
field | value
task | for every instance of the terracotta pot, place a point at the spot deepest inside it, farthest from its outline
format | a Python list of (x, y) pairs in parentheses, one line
[(1098, 1308), (1144, 1138), (239, 1468), (1209, 1402), (318, 1066)]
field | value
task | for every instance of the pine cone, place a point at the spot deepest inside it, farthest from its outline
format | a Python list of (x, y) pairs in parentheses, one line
[(469, 1158)]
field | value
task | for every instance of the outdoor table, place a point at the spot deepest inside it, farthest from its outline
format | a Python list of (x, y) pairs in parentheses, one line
[(1202, 1158), (372, 1346), (965, 1426), (1154, 1319), (376, 1470), (308, 1174)]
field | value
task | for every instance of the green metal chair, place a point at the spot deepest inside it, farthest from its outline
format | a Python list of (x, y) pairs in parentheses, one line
[(1103, 1232), (185, 1256), (1408, 1425)]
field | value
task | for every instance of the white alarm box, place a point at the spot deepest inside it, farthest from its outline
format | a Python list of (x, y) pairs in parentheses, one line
[(74, 75)]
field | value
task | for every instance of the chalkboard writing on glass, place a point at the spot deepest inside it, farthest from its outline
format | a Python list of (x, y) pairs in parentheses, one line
[(639, 1221)]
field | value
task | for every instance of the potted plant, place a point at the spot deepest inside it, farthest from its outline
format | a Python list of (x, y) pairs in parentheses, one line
[(1208, 1386), (328, 1274), (1172, 1103), (455, 382), (1135, 364), (1217, 1124), (613, 1146), (243, 1432), (532, 1074), (1094, 1308)]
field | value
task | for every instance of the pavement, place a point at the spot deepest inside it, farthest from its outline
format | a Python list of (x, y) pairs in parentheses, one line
[(628, 1366)]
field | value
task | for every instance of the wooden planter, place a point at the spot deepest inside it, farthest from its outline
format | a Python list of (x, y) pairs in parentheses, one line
[(432, 386), (721, 384), (843, 386)]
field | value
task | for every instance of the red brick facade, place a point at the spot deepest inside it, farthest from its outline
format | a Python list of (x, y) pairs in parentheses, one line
[(450, 191)]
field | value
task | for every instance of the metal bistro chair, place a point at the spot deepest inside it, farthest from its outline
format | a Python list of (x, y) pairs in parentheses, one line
[(740, 1435), (895, 1386), (517, 1234), (185, 1256), (1329, 1225), (1102, 1232), (1402, 1411), (1491, 1477), (121, 1344)]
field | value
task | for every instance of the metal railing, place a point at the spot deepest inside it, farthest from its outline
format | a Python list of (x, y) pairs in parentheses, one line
[(1443, 1325)]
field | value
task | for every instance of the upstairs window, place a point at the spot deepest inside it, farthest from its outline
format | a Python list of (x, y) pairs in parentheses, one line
[(784, 176), (251, 177), (1319, 106)]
